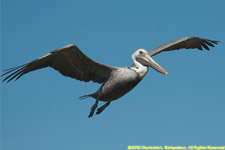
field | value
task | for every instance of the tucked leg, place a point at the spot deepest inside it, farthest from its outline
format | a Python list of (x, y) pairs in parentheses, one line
[(102, 108), (93, 109)]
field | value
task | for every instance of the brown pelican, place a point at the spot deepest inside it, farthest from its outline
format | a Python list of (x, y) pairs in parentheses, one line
[(116, 81)]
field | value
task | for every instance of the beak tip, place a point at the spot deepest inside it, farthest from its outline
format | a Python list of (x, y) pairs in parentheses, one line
[(166, 73)]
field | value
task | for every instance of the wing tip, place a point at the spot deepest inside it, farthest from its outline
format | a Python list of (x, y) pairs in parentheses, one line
[(12, 73)]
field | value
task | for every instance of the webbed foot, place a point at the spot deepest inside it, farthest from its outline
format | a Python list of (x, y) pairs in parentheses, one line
[(99, 110), (93, 109)]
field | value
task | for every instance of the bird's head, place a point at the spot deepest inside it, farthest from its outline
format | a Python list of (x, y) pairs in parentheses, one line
[(142, 57)]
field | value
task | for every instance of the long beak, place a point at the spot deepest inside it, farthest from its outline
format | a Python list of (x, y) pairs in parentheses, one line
[(150, 62)]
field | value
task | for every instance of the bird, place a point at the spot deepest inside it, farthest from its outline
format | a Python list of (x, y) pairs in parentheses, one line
[(70, 61)]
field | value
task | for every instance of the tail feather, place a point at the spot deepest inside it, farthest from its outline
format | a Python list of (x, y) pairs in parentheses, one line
[(84, 97)]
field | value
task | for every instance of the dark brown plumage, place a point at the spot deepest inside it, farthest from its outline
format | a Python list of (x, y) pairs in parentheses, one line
[(186, 42), (69, 61)]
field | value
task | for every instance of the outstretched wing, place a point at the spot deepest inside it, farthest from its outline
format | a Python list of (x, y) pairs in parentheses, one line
[(69, 61), (186, 42)]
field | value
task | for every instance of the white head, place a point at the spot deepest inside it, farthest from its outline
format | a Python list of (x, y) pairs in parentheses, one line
[(142, 59)]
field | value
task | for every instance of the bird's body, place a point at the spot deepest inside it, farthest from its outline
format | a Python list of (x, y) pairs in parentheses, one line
[(119, 83), (116, 81)]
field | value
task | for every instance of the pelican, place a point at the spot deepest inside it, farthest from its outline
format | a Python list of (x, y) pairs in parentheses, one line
[(116, 81)]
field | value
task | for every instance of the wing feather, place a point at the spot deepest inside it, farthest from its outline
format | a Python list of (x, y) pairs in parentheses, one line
[(69, 61), (186, 42)]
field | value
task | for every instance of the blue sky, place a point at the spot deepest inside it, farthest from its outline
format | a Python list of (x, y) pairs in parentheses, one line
[(42, 110)]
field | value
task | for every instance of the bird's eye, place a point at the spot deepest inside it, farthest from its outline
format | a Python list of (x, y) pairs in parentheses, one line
[(141, 52)]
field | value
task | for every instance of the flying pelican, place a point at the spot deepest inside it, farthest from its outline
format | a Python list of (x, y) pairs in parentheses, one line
[(116, 81)]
